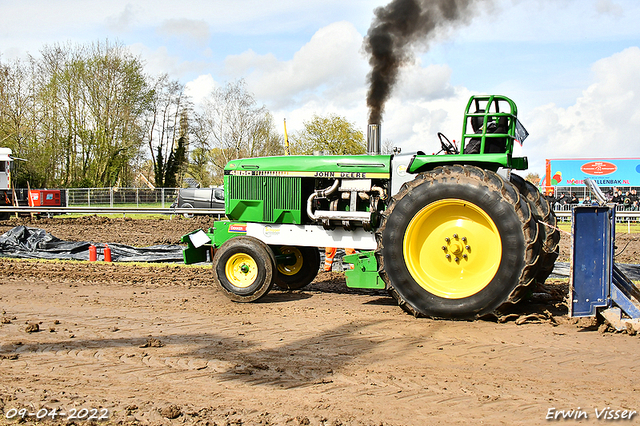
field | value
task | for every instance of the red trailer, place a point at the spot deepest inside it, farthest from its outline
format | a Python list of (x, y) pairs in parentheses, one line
[(45, 198)]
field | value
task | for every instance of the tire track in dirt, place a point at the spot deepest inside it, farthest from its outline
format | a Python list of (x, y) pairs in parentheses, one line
[(102, 323)]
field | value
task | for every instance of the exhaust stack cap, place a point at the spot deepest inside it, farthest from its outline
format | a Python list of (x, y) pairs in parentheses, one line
[(373, 139)]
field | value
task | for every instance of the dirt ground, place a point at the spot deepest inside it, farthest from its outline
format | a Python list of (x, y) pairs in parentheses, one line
[(158, 345)]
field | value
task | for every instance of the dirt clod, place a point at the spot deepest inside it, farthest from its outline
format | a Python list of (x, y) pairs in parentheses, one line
[(9, 356), (605, 328), (153, 343), (32, 328), (171, 412)]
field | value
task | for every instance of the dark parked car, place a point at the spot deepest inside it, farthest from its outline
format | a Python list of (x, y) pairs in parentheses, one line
[(200, 198)]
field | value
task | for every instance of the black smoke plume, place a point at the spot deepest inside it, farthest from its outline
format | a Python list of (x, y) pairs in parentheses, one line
[(396, 28)]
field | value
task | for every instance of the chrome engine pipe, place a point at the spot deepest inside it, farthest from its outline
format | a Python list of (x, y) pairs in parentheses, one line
[(320, 193), (374, 144), (333, 215)]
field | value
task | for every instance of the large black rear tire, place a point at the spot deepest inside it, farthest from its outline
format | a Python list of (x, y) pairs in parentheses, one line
[(457, 242), (547, 221)]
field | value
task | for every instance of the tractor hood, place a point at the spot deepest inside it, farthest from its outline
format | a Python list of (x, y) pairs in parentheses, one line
[(322, 166)]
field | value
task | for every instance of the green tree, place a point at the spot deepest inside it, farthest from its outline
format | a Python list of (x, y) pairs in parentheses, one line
[(83, 106), (20, 116), (332, 134), (534, 178), (175, 163)]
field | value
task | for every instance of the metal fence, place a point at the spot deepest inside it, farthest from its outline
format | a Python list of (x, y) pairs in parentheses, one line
[(120, 197), (164, 197), (563, 212)]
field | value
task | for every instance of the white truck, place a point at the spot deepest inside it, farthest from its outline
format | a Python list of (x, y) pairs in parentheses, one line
[(5, 180)]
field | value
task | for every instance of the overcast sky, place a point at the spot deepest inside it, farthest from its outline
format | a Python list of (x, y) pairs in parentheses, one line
[(572, 66)]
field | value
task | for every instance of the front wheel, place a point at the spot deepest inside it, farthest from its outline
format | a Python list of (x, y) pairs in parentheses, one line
[(457, 242), (187, 206), (243, 268), (297, 268)]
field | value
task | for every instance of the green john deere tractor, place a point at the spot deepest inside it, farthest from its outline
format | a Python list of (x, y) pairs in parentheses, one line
[(455, 235)]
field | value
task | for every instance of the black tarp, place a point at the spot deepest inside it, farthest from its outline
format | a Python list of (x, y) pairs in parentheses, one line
[(34, 243)]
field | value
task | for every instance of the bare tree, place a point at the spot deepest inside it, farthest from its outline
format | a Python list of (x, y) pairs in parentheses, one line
[(200, 155), (237, 126), (167, 109)]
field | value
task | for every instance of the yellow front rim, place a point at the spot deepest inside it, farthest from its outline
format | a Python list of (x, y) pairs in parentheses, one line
[(452, 248), (241, 270), (294, 268)]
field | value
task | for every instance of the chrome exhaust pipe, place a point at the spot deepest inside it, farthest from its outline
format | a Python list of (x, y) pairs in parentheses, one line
[(374, 143)]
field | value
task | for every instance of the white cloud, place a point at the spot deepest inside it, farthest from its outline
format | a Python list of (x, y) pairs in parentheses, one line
[(552, 21), (164, 61), (122, 21), (200, 88), (425, 83), (331, 63), (414, 125), (602, 123), (608, 7), (189, 31)]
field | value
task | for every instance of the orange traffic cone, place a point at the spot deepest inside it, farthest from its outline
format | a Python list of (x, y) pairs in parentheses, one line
[(107, 253), (93, 253)]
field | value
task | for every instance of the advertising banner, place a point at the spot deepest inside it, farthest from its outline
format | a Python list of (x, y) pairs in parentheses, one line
[(604, 172)]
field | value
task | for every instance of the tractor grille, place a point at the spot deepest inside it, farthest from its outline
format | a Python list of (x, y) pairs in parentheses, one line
[(277, 194)]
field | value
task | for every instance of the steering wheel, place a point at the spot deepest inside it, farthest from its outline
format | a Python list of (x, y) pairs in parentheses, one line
[(446, 145)]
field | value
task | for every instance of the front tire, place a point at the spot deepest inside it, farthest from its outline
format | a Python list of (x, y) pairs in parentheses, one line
[(457, 242), (243, 269), (298, 274)]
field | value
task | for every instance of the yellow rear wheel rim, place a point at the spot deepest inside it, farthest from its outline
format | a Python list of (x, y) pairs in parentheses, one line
[(294, 268), (452, 248), (241, 270)]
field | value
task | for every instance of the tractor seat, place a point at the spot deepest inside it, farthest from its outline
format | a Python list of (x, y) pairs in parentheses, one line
[(491, 145)]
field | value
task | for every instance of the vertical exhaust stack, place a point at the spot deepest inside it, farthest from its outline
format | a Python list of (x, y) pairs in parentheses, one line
[(373, 139)]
